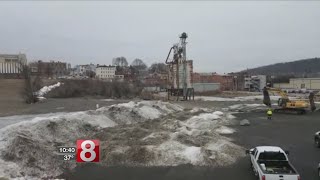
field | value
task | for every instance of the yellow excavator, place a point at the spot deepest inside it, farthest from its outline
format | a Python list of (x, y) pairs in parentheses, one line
[(299, 106)]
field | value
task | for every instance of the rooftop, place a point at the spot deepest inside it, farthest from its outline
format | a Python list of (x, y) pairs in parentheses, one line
[(104, 66), (305, 78)]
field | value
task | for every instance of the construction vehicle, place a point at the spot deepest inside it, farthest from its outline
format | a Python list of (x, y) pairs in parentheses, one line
[(299, 106)]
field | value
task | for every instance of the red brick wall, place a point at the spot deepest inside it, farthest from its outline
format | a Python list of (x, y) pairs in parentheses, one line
[(226, 82)]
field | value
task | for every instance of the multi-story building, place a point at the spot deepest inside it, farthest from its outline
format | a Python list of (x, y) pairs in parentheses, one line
[(11, 63), (226, 81), (49, 69), (85, 70), (300, 83), (255, 83), (108, 73)]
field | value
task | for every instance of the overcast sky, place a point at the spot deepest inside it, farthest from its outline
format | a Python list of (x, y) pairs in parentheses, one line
[(223, 36)]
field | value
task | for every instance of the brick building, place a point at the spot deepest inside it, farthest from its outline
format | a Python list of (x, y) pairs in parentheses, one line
[(50, 69), (226, 81), (156, 80)]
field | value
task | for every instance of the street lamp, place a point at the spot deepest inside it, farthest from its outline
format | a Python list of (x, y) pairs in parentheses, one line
[(271, 84), (235, 84)]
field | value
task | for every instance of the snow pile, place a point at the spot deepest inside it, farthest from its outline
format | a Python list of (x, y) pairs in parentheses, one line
[(44, 90), (184, 138), (133, 112), (247, 107), (211, 98), (107, 100), (224, 152), (151, 133), (241, 98), (196, 110), (225, 130), (28, 148), (197, 141), (172, 153)]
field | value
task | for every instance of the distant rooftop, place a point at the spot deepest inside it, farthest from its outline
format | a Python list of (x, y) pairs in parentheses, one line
[(104, 66)]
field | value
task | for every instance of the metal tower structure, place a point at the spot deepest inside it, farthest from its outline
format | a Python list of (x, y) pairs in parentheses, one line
[(179, 79), (183, 44)]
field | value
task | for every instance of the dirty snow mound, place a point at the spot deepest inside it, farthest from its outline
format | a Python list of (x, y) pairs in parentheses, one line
[(197, 110), (247, 107), (172, 153), (132, 112), (151, 133), (241, 98), (225, 130), (245, 122), (27, 148), (30, 146), (224, 152)]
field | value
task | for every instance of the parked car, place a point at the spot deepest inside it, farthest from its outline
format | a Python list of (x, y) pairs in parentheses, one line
[(317, 139), (271, 163)]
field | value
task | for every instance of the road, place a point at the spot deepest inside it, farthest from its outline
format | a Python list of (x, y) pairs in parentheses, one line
[(291, 132)]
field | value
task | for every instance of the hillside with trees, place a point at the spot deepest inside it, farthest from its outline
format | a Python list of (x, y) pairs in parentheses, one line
[(305, 67)]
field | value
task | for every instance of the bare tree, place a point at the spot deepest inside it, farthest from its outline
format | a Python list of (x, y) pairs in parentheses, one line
[(158, 68), (120, 61), (139, 64), (29, 88), (90, 74)]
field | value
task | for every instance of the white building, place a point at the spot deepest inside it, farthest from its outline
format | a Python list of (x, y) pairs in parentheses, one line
[(255, 83), (11, 63), (105, 72), (300, 83), (83, 70)]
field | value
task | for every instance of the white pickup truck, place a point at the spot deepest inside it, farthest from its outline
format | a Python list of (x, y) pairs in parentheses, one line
[(271, 163)]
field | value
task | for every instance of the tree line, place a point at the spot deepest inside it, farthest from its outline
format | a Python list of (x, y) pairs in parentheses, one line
[(139, 65)]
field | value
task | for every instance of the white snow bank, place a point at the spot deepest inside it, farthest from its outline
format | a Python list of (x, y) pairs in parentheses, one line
[(37, 139), (196, 109), (230, 116), (133, 112), (107, 100), (193, 154), (44, 90), (38, 136), (220, 152), (172, 153), (219, 113), (224, 152), (247, 107), (149, 112), (241, 98), (225, 130)]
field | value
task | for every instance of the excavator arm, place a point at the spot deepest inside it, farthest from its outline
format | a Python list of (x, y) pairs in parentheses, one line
[(266, 97), (279, 92)]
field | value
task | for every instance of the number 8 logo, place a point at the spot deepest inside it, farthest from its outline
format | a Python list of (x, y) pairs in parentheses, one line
[(86, 150), (83, 149)]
